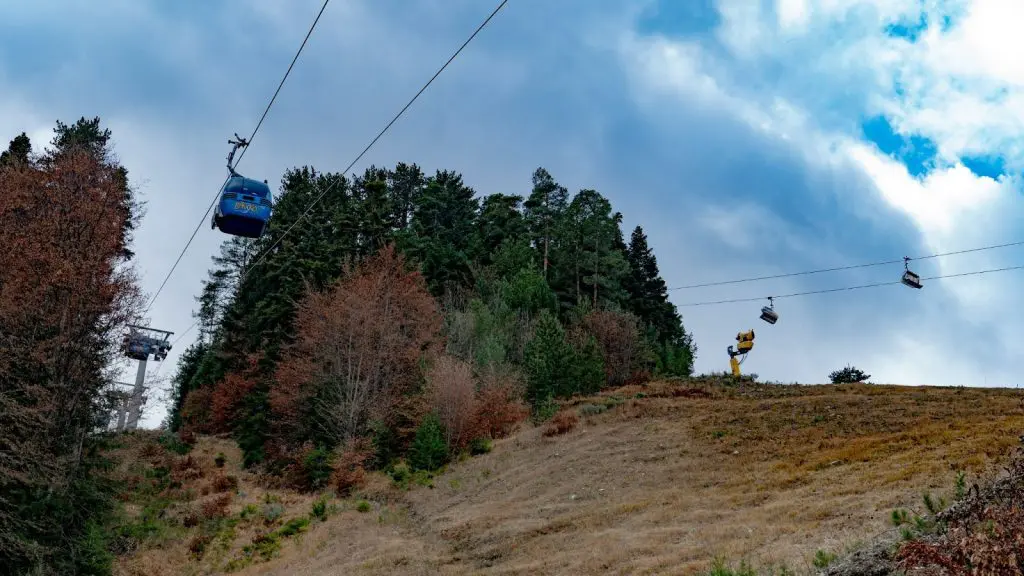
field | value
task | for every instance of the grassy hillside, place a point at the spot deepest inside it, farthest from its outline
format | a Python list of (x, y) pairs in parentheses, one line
[(656, 479)]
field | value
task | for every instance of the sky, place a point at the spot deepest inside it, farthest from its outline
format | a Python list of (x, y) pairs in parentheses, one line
[(747, 137)]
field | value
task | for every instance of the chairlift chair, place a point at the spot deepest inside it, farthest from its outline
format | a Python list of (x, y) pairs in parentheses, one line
[(910, 279), (768, 313)]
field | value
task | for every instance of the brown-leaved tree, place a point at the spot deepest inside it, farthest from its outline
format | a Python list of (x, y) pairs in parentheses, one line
[(357, 351), (66, 292)]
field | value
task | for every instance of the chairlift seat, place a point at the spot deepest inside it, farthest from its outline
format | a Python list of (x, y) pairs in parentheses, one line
[(769, 315), (911, 279)]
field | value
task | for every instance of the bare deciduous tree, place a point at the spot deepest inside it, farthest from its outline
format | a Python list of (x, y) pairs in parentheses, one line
[(452, 396), (357, 349)]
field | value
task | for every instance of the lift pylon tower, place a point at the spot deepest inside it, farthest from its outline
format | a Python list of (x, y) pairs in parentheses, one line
[(139, 345)]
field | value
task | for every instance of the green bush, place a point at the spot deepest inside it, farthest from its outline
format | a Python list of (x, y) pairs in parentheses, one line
[(93, 556), (172, 443), (822, 559), (480, 446), (316, 468), (588, 369), (428, 450), (400, 473), (319, 509), (293, 527), (848, 375), (363, 506)]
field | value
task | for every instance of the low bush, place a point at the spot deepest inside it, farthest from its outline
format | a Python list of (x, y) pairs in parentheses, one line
[(480, 446), (217, 507), (315, 468), (561, 423), (351, 471), (225, 483), (319, 510)]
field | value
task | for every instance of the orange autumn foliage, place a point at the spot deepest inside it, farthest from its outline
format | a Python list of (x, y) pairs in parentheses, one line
[(228, 394), (356, 351)]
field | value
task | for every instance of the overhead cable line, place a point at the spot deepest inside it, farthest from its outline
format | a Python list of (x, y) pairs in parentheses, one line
[(240, 156), (847, 288), (378, 137), (851, 267)]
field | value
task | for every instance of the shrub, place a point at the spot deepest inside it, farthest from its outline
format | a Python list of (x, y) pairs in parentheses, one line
[(498, 406), (229, 394), (588, 368), (219, 460), (271, 512), (217, 507), (363, 506), (196, 415), (190, 519), (293, 527), (622, 346), (197, 545), (848, 375), (452, 398), (561, 423), (822, 559), (180, 444), (319, 509), (400, 473), (316, 468), (350, 471), (480, 446), (225, 483), (428, 450)]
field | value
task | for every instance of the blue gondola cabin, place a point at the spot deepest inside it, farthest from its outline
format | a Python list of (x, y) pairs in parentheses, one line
[(244, 207)]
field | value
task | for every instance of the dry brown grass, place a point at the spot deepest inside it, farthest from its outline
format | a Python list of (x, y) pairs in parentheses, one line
[(664, 483)]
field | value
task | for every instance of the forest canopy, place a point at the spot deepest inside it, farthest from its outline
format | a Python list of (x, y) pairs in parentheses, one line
[(404, 302)]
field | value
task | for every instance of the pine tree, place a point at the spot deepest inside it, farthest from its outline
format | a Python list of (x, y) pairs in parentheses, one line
[(442, 228), (18, 151), (500, 221), (405, 186), (549, 361), (588, 254), (428, 451), (543, 211), (376, 210), (648, 299)]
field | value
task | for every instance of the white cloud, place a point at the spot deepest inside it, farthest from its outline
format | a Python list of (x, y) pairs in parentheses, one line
[(831, 63), (792, 14)]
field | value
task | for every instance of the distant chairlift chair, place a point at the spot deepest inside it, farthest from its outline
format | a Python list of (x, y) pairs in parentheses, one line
[(910, 279)]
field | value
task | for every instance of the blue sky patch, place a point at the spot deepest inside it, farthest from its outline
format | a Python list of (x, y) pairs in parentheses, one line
[(675, 18), (910, 31), (915, 152), (985, 166)]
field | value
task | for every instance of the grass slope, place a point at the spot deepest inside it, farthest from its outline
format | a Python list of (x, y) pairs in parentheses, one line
[(657, 479)]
